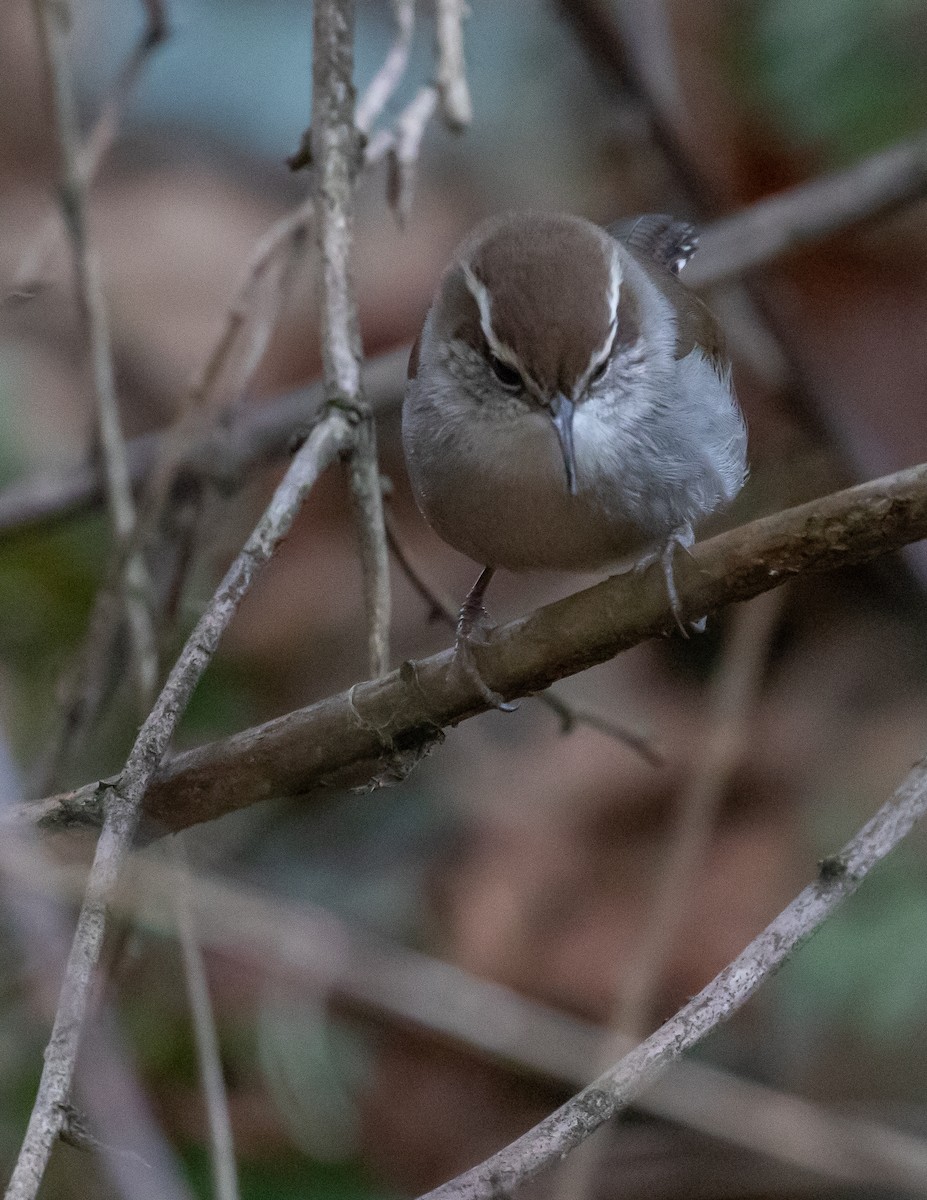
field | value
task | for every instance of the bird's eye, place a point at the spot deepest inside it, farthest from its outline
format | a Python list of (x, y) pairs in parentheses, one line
[(599, 372), (507, 376)]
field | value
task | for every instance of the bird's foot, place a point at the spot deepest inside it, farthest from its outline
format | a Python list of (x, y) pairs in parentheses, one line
[(472, 625), (683, 538)]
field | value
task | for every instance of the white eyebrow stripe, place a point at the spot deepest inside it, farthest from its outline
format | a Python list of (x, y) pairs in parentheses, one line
[(612, 296), (480, 293), (614, 288)]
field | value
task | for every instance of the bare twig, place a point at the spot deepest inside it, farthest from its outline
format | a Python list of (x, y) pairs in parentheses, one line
[(224, 1173), (326, 742), (385, 981), (381, 88), (598, 28), (648, 26), (29, 278), (809, 212), (81, 689), (408, 128), (456, 107), (51, 21), (279, 251), (404, 153), (563, 1130), (570, 716), (277, 254), (442, 608), (122, 800), (336, 157), (400, 146)]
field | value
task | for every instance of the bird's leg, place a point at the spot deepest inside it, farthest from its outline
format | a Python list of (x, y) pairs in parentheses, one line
[(474, 619), (683, 537)]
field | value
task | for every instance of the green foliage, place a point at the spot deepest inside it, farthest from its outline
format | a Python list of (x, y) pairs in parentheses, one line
[(291, 1178), (843, 75)]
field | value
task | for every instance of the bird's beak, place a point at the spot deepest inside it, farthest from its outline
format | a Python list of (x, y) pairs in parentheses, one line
[(561, 412)]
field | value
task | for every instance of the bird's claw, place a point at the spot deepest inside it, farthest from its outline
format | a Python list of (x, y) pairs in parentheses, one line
[(475, 620), (465, 659), (682, 538)]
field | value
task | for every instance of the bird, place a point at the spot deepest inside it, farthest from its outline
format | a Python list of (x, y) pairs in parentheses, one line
[(569, 403)]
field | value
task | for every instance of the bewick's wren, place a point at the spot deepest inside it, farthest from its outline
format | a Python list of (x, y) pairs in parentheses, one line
[(569, 403)]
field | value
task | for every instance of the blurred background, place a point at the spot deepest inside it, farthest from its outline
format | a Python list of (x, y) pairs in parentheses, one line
[(600, 888)]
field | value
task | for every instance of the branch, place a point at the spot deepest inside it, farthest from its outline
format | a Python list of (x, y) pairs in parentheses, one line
[(111, 1095), (51, 22), (387, 982), (336, 157), (730, 702), (122, 801), (809, 212), (383, 85), (348, 738), (563, 1130), (456, 107), (222, 1145), (599, 30), (400, 146), (29, 279)]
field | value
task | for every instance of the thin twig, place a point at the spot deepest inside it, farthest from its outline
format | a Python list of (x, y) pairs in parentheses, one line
[(570, 716), (456, 107), (386, 982), (279, 249), (441, 608), (336, 158), (122, 800), (401, 146), (51, 21), (809, 212), (279, 252), (222, 1145), (571, 1124), (81, 689), (326, 743), (30, 276), (381, 88)]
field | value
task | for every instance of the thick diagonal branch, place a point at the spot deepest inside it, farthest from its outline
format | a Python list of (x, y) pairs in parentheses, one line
[(352, 737)]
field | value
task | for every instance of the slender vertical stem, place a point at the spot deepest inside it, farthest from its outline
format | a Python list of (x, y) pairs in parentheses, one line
[(51, 20), (336, 158), (224, 1173)]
